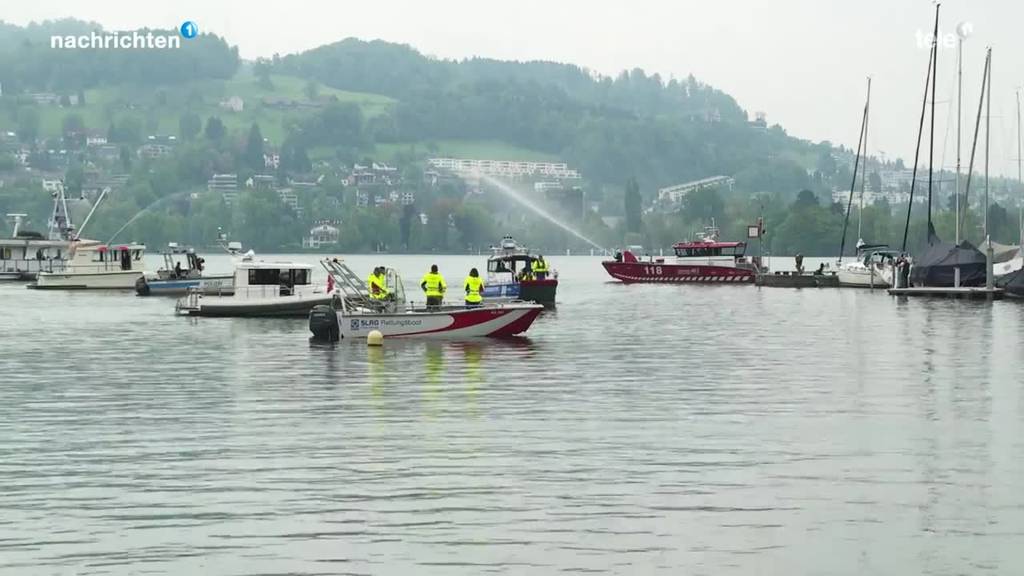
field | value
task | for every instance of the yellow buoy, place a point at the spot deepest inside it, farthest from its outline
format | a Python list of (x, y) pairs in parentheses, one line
[(374, 338)]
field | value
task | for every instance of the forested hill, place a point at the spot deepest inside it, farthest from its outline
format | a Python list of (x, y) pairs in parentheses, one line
[(635, 124)]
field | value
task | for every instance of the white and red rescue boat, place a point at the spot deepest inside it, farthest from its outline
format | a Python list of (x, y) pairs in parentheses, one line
[(705, 260)]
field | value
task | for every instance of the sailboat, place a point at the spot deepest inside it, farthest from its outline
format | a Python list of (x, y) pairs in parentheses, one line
[(1015, 263), (943, 264), (874, 264)]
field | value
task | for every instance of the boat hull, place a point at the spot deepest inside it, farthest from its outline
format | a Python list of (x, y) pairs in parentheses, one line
[(106, 280), (209, 285), (490, 321), (665, 273), (231, 307), (862, 277)]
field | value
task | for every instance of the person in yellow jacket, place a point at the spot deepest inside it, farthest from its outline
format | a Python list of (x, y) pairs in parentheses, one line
[(434, 286), (376, 283), (474, 289), (540, 267)]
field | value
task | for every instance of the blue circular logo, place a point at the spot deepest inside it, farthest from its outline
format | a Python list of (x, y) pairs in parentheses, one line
[(189, 29)]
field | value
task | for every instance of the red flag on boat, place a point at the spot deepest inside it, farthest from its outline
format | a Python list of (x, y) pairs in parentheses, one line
[(330, 283)]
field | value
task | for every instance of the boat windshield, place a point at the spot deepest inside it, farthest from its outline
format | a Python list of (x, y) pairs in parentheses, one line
[(708, 251), (278, 277)]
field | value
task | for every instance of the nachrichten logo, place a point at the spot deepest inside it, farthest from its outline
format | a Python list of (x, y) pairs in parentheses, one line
[(127, 41)]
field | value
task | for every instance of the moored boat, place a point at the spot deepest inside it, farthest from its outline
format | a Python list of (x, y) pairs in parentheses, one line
[(175, 280), (261, 289), (94, 265), (873, 267), (705, 260), (354, 314), (512, 275), (27, 253)]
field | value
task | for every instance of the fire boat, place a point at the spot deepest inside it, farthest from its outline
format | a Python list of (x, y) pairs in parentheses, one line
[(706, 260), (506, 279), (354, 314)]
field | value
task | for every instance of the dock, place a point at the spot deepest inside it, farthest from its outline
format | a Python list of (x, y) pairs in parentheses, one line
[(795, 280), (966, 293)]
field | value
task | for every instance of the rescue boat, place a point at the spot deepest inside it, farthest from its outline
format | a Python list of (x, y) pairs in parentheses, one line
[(354, 314), (706, 260), (505, 278)]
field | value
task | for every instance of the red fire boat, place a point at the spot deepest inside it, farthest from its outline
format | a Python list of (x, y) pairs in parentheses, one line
[(705, 260)]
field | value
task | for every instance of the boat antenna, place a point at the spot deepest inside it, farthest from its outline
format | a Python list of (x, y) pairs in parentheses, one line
[(917, 150), (103, 194), (853, 183), (931, 129), (974, 143)]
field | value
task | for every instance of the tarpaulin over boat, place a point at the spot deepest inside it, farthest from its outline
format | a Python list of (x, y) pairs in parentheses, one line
[(1013, 283), (935, 267)]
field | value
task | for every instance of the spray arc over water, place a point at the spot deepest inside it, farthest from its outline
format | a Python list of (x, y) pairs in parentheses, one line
[(138, 214), (512, 193)]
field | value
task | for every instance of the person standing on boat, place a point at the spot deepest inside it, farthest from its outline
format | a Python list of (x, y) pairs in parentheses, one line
[(376, 285), (434, 286), (527, 272), (474, 289), (540, 267)]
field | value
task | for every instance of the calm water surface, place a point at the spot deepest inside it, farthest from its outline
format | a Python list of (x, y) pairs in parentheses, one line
[(637, 430)]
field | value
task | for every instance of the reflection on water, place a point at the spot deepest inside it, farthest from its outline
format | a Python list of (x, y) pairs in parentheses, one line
[(638, 430)]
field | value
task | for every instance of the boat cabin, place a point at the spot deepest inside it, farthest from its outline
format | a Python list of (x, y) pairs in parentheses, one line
[(172, 263), (259, 279), (508, 261), (709, 249), (91, 256)]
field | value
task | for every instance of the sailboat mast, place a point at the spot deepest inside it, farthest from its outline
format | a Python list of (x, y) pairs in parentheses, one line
[(864, 172), (959, 116), (1020, 181), (988, 136), (917, 148), (853, 183), (931, 129)]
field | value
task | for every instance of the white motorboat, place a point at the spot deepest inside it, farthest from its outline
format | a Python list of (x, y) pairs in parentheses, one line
[(353, 314), (506, 281), (94, 265), (261, 288), (176, 280)]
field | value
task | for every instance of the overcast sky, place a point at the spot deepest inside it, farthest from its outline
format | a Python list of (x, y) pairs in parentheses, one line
[(802, 62)]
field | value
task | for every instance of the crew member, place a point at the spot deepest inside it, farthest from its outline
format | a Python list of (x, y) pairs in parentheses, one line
[(433, 286), (376, 284), (540, 267), (474, 289), (527, 272)]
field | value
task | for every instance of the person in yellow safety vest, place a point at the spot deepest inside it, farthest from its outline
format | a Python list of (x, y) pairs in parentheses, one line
[(433, 285), (540, 268), (474, 289), (376, 284), (527, 272)]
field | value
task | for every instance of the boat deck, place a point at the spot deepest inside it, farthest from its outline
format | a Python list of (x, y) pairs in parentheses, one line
[(967, 293)]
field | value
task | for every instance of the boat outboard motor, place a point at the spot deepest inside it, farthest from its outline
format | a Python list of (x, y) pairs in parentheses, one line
[(323, 323), (141, 286)]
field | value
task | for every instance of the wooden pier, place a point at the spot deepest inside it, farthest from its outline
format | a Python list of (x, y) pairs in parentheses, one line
[(979, 293)]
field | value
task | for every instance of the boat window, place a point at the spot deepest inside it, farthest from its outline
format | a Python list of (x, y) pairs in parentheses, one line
[(5, 253), (264, 276), (301, 277), (138, 254)]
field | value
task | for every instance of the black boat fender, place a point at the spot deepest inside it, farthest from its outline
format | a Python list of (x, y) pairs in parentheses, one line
[(323, 323)]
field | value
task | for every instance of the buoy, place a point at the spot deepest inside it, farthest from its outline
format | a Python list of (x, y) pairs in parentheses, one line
[(374, 338)]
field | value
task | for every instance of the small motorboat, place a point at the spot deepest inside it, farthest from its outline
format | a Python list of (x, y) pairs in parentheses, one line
[(94, 265), (261, 289), (506, 279), (354, 314), (175, 280), (705, 260)]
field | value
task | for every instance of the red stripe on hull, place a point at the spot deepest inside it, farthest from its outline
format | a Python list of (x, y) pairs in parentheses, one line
[(661, 273), (517, 327)]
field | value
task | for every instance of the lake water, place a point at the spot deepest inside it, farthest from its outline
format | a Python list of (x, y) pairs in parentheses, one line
[(637, 430)]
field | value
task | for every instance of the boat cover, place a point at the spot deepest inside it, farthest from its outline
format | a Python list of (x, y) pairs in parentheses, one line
[(935, 267)]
